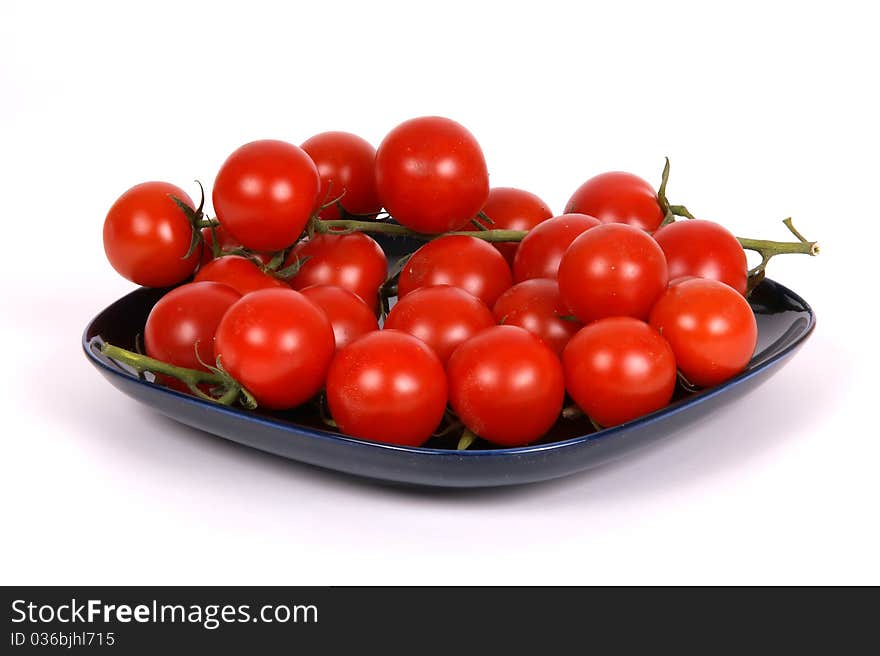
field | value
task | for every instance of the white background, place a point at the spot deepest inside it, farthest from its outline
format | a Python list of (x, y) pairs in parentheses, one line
[(766, 109)]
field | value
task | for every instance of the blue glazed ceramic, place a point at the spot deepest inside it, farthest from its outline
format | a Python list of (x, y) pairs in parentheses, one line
[(784, 323)]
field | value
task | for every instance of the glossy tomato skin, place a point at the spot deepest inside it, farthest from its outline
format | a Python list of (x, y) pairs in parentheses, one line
[(431, 175), (441, 316), (711, 328), (619, 368), (541, 250), (618, 197), (265, 193), (461, 261), (278, 344), (346, 164), (240, 273), (352, 261), (146, 235), (387, 386), (704, 249), (349, 315), (537, 306), (612, 270), (513, 209), (184, 317), (506, 386)]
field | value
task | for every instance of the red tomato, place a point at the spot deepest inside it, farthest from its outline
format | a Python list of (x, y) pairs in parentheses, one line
[(706, 250), (186, 316), (506, 386), (541, 250), (240, 273), (431, 175), (346, 164), (711, 328), (441, 316), (618, 197), (348, 314), (387, 386), (537, 306), (461, 261), (146, 235), (265, 193), (352, 261), (617, 369), (612, 270), (278, 344), (512, 209)]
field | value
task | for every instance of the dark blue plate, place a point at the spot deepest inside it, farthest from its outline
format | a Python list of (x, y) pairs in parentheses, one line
[(784, 323)]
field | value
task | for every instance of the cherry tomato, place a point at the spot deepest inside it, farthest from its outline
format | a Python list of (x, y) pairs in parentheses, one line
[(706, 250), (240, 273), (618, 197), (265, 193), (711, 328), (506, 385), (441, 316), (278, 344), (346, 164), (619, 368), (186, 316), (348, 314), (461, 261), (537, 306), (612, 270), (387, 386), (512, 209), (541, 250), (352, 261), (146, 235), (431, 175)]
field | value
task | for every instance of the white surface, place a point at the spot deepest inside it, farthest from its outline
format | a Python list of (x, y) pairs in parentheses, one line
[(767, 110)]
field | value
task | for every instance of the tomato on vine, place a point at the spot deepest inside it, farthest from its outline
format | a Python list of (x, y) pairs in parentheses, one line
[(346, 164), (537, 306), (711, 328), (612, 270), (241, 273), (541, 250), (506, 386), (387, 386), (349, 315), (148, 236), (705, 250), (431, 175), (461, 261), (508, 208), (618, 197), (353, 261), (278, 345), (265, 193), (441, 316), (617, 369), (185, 319)]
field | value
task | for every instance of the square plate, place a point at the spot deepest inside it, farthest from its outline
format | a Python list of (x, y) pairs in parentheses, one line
[(784, 319)]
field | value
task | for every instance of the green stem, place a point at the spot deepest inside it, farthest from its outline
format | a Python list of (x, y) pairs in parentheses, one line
[(467, 438), (205, 222), (192, 378), (378, 227), (572, 412)]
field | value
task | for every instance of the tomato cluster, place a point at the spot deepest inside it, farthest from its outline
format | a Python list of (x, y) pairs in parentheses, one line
[(496, 324)]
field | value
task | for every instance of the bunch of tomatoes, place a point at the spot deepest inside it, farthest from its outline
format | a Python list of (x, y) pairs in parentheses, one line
[(503, 312)]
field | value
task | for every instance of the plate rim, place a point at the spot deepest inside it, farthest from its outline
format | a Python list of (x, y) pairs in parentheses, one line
[(328, 435)]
